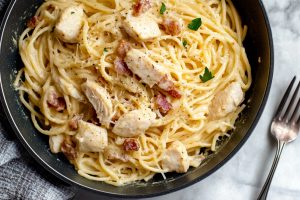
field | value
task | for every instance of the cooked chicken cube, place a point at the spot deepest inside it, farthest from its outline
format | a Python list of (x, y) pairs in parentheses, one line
[(226, 101), (140, 64), (69, 24), (101, 101), (134, 123), (91, 138), (176, 158), (130, 84), (55, 142), (141, 27), (65, 86)]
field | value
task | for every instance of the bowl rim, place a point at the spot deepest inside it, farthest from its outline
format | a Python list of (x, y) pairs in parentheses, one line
[(64, 178)]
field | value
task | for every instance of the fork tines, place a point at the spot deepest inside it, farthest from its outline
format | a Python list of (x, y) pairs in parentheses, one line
[(290, 114)]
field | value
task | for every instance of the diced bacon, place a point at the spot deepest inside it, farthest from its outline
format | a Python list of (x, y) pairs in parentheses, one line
[(171, 26), (131, 144), (141, 6), (68, 147), (163, 104), (33, 22), (166, 84), (123, 48), (73, 124), (58, 103), (174, 93), (50, 8), (121, 67)]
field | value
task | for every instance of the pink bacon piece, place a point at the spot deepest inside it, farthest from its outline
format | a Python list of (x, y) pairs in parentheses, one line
[(163, 104), (141, 6), (131, 144), (58, 103)]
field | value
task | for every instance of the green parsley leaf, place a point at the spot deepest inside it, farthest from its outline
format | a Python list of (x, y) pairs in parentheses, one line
[(105, 50), (72, 12), (206, 76), (195, 24), (184, 43), (163, 8)]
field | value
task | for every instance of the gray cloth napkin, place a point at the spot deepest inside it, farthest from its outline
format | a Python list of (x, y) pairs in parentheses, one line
[(21, 178)]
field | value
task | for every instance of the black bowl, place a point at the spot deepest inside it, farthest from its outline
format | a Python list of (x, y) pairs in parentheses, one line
[(258, 44)]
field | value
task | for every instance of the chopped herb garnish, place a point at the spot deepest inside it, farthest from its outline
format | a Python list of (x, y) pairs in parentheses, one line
[(206, 76), (72, 12), (184, 43), (105, 50), (163, 8), (195, 24)]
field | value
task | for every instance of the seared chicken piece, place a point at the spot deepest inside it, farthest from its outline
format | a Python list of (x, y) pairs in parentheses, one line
[(134, 123), (65, 86), (141, 27), (55, 142), (140, 64), (226, 101), (69, 24), (91, 138), (101, 101), (176, 158), (130, 84)]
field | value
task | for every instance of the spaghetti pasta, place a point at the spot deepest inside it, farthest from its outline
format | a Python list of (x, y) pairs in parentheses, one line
[(124, 99)]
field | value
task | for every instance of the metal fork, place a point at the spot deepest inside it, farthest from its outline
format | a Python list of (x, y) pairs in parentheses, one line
[(285, 128)]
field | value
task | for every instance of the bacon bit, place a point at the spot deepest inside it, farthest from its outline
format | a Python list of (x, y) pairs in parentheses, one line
[(121, 67), (58, 103), (131, 144), (175, 94), (123, 48), (171, 26), (68, 148), (100, 79), (141, 6), (168, 86), (50, 8), (163, 104), (33, 22), (73, 124)]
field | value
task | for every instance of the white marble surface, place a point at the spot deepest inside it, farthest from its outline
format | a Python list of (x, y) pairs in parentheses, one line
[(242, 177)]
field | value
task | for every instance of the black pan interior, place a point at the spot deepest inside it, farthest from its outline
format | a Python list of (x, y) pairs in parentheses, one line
[(258, 44)]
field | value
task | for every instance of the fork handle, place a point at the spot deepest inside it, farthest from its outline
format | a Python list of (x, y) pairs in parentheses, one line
[(264, 192)]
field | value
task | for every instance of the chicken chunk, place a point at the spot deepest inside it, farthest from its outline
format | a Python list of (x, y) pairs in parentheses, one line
[(101, 101), (176, 158), (226, 101), (141, 27), (55, 142), (140, 64), (130, 84), (69, 24), (91, 138), (134, 123), (65, 86)]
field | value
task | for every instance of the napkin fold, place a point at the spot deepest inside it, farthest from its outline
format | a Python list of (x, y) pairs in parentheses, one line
[(21, 178)]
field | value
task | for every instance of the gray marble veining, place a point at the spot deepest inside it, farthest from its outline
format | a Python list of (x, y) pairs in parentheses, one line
[(242, 177)]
